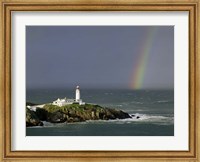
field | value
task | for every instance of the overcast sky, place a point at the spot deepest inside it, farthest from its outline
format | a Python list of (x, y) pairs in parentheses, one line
[(99, 56)]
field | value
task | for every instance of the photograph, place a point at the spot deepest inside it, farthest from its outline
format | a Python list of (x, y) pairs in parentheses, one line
[(99, 81)]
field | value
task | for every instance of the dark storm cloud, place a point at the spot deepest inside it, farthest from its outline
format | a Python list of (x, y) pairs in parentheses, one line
[(96, 56)]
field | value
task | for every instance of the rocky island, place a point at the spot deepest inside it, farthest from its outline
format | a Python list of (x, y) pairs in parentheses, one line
[(71, 113)]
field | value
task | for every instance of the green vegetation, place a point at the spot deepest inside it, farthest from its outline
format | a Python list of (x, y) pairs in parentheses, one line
[(74, 113), (76, 107)]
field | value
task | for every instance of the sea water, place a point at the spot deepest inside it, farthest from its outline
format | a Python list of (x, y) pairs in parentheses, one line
[(154, 107)]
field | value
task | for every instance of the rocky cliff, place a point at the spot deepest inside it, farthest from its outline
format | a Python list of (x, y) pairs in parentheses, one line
[(74, 113), (32, 119)]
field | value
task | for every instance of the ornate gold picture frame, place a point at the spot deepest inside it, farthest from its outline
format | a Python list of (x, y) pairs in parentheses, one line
[(8, 6)]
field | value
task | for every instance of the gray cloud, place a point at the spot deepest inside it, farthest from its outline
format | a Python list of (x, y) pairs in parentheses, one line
[(97, 56)]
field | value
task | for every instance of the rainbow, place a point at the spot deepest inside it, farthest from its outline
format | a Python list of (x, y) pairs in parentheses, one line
[(137, 77)]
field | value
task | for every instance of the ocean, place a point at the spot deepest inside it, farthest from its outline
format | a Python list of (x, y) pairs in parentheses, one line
[(155, 108)]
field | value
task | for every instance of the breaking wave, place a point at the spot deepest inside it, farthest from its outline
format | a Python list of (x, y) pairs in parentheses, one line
[(139, 119), (165, 101), (136, 119)]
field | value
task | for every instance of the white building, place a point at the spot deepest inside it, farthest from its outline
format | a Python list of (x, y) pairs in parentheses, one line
[(65, 101), (78, 95)]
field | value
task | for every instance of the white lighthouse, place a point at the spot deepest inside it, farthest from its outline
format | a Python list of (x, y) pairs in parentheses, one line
[(65, 101), (78, 96)]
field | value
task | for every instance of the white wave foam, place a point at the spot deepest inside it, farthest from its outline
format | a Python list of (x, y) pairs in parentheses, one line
[(163, 101), (48, 124), (136, 119), (140, 118)]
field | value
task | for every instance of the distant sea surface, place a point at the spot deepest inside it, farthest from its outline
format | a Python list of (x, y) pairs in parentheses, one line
[(155, 108)]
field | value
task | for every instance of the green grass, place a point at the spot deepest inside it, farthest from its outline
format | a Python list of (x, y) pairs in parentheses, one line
[(76, 107)]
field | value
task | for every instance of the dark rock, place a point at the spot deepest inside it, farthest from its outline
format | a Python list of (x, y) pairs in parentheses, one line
[(119, 114), (32, 119), (138, 117), (75, 119), (70, 120), (56, 117), (41, 113), (40, 124), (77, 113)]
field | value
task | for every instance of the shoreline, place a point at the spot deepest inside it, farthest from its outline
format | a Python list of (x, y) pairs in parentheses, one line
[(70, 113)]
